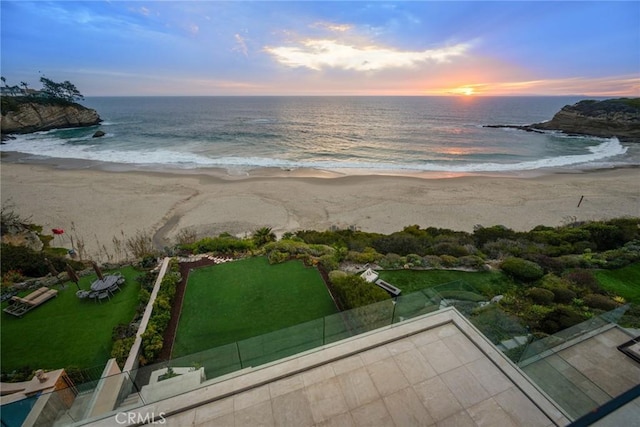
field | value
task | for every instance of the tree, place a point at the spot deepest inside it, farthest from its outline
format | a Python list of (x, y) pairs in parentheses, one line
[(26, 87), (263, 236), (66, 90)]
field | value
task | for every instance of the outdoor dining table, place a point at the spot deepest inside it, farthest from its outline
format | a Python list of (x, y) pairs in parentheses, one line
[(105, 283)]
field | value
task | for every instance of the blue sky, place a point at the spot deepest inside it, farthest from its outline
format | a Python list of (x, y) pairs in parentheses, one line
[(325, 48)]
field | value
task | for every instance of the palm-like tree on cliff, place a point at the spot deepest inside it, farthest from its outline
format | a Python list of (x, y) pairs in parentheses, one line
[(263, 235)]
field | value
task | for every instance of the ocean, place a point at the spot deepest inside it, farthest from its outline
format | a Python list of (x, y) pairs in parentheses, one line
[(360, 135)]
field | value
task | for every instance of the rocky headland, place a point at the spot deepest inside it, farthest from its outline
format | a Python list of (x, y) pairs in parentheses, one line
[(21, 116), (618, 118)]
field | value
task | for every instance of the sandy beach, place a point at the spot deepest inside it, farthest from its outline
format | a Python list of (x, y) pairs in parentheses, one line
[(97, 205)]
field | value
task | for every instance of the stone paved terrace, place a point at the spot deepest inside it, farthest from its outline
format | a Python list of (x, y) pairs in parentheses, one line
[(433, 370)]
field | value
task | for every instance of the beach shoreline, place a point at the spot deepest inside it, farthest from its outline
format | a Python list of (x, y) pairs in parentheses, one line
[(98, 204)]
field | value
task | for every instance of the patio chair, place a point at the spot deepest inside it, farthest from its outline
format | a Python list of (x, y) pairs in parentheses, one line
[(113, 288), (103, 295), (82, 294)]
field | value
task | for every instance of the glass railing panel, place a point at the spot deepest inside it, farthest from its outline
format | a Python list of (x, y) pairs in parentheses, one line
[(412, 305), (566, 385), (282, 343), (68, 405), (542, 346), (216, 361), (369, 317), (549, 362), (337, 327)]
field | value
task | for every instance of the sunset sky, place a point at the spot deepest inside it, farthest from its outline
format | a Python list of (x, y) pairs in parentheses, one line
[(325, 47)]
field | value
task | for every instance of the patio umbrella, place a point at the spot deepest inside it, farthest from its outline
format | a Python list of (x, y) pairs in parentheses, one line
[(97, 270), (73, 276)]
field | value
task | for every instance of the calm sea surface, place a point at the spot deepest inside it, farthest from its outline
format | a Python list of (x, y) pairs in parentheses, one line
[(361, 134)]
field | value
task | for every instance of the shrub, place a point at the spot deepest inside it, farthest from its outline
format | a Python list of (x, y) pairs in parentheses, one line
[(622, 257), (548, 264), (504, 247), (399, 243), (354, 291), (569, 261), (415, 260), (563, 295), (392, 261), (21, 258), (605, 236), (221, 244), (121, 348), (449, 248), (561, 318), (598, 301), (535, 312), (152, 338), (277, 257), (448, 260), (336, 275), (368, 255), (540, 296), (483, 235), (284, 249), (521, 269), (152, 342), (583, 279), (329, 262), (471, 261), (432, 261)]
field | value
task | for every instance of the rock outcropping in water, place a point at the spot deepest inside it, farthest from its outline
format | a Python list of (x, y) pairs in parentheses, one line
[(27, 117), (610, 118)]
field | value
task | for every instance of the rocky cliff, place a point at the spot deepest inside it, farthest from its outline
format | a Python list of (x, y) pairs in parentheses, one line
[(610, 118), (26, 117)]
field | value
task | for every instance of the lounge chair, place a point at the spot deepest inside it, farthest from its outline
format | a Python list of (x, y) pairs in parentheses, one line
[(20, 306)]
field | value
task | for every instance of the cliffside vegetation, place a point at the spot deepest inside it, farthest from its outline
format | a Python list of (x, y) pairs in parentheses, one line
[(52, 93), (549, 277), (608, 118), (54, 106)]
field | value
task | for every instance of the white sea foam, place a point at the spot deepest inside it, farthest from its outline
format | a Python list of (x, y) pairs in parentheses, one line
[(86, 148)]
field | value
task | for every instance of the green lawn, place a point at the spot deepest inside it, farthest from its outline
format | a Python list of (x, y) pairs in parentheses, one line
[(485, 282), (66, 331), (242, 299), (623, 281)]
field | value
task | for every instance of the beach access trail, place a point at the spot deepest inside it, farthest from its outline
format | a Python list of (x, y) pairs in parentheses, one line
[(98, 205)]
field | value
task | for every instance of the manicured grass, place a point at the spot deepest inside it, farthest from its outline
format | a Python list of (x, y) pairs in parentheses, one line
[(230, 302), (623, 281), (66, 331), (486, 282)]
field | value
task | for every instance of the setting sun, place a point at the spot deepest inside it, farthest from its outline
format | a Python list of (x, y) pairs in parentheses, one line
[(463, 90)]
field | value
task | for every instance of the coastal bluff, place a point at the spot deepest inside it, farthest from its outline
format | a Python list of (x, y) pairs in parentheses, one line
[(618, 118), (21, 117)]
